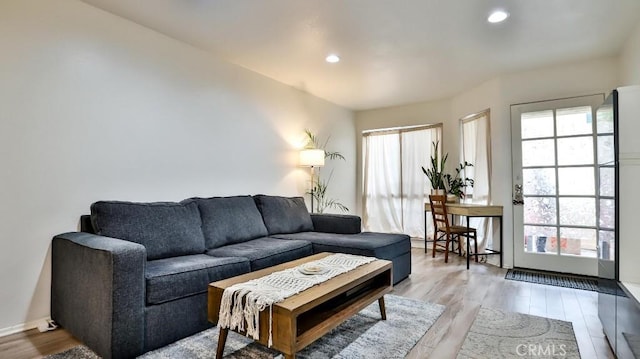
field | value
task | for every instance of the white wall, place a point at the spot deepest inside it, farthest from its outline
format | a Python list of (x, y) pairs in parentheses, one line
[(630, 60), (95, 107), (498, 94)]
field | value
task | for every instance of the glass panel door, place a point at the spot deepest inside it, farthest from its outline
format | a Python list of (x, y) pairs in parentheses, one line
[(554, 160), (607, 190)]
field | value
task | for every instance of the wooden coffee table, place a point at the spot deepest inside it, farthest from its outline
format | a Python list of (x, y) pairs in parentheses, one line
[(303, 318)]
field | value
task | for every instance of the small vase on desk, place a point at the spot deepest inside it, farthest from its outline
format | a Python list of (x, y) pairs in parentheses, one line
[(452, 198)]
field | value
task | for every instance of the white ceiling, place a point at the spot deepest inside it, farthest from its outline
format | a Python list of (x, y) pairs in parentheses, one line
[(393, 51)]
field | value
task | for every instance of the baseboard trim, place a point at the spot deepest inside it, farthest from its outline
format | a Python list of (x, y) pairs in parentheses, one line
[(23, 327)]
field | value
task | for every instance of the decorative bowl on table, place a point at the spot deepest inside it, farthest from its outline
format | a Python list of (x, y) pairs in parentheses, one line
[(311, 269)]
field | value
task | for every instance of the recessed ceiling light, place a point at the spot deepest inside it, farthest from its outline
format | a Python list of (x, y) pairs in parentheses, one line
[(332, 59), (497, 16)]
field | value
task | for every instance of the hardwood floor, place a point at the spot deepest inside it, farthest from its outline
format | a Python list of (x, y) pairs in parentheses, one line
[(33, 344), (462, 292)]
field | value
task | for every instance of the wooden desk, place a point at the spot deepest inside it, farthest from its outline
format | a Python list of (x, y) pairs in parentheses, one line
[(469, 211)]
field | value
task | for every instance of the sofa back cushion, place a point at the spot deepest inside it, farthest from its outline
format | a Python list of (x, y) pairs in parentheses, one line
[(166, 229), (283, 215), (229, 220)]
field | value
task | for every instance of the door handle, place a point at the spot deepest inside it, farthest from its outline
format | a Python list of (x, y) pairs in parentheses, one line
[(518, 199)]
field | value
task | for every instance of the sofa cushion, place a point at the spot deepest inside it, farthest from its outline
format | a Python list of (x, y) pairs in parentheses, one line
[(178, 277), (284, 214), (379, 245), (265, 252), (336, 223), (165, 229), (229, 220)]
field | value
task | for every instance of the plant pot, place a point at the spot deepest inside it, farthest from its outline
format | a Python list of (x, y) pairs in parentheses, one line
[(528, 240), (541, 243), (452, 198), (438, 192)]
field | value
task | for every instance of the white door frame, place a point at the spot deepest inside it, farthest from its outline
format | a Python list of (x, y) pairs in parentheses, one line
[(556, 263)]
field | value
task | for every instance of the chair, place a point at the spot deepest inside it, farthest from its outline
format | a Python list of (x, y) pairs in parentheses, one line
[(442, 228)]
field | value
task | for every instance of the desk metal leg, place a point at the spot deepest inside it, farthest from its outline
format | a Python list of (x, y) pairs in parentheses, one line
[(425, 231), (468, 253), (501, 242)]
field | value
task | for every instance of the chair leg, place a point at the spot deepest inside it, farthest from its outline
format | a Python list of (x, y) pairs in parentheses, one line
[(435, 241), (446, 248)]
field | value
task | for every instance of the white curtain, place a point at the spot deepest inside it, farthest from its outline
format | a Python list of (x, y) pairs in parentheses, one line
[(416, 150), (382, 192), (395, 189), (476, 149)]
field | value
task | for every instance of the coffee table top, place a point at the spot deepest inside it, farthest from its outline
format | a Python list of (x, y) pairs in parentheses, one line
[(317, 294)]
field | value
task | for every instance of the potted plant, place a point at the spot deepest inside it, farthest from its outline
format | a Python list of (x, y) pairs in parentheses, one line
[(435, 174), (456, 184), (319, 189), (445, 183)]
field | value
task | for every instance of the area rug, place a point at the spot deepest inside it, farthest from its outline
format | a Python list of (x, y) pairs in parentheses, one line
[(364, 335), (555, 279), (498, 334)]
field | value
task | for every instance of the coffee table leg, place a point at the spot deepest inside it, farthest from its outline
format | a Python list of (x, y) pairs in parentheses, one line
[(383, 311), (222, 339)]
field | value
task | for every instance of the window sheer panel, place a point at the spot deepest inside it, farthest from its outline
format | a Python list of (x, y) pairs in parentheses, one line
[(416, 147), (395, 189), (383, 202), (476, 149)]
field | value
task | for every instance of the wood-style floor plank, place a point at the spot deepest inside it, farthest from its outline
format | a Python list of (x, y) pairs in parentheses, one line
[(462, 292), (33, 344)]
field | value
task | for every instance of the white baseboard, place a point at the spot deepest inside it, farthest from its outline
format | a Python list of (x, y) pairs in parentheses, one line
[(23, 327), (417, 243)]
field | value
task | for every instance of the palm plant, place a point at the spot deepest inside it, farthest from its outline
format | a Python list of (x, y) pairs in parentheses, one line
[(319, 186), (319, 193)]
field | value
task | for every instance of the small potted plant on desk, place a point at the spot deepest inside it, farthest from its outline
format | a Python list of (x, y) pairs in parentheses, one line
[(456, 184), (435, 174)]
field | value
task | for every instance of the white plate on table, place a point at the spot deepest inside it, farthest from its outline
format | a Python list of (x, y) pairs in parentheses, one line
[(312, 269)]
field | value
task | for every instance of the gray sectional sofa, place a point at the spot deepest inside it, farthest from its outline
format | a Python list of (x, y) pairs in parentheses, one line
[(135, 279)]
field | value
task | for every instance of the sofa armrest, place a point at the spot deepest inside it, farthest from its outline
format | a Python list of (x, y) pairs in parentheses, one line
[(336, 223), (97, 292)]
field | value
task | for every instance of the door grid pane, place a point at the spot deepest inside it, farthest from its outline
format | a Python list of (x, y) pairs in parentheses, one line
[(539, 181), (538, 153), (559, 182)]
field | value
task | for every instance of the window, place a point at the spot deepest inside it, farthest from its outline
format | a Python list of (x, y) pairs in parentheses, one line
[(395, 188)]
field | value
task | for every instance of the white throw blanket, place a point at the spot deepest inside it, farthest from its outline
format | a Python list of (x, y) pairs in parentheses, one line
[(261, 293)]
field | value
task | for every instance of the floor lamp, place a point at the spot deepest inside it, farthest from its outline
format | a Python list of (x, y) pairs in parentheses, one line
[(312, 157)]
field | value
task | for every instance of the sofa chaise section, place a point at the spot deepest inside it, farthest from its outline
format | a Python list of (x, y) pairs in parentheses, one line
[(393, 247), (288, 219)]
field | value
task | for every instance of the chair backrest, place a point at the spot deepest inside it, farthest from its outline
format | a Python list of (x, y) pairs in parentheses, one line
[(439, 212)]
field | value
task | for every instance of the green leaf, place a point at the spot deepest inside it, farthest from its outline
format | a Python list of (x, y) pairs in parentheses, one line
[(320, 186)]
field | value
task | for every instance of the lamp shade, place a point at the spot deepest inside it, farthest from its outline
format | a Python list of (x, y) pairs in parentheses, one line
[(312, 157)]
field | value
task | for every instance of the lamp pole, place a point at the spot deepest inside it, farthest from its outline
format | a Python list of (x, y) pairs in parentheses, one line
[(312, 186), (312, 157)]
